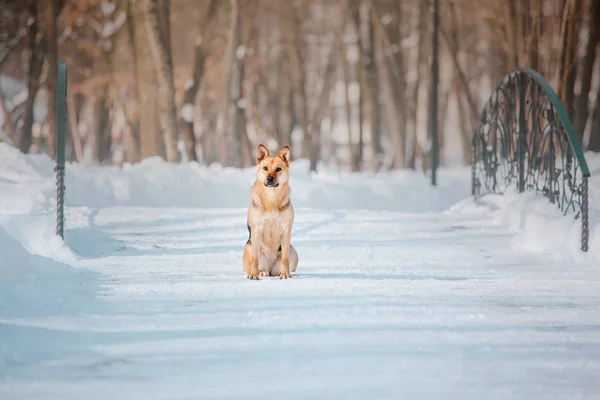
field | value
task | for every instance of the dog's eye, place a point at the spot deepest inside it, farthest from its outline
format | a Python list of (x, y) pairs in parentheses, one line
[(266, 168), (278, 169)]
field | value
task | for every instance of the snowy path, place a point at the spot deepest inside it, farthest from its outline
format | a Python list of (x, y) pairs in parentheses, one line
[(384, 305)]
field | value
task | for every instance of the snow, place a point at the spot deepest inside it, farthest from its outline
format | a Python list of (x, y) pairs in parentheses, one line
[(187, 112), (240, 52), (242, 103), (402, 290), (111, 27), (108, 7), (190, 82)]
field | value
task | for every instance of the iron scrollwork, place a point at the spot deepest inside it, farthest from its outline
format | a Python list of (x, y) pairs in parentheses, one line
[(526, 141)]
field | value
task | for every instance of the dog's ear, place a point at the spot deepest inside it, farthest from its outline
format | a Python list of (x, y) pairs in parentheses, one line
[(262, 153), (284, 154)]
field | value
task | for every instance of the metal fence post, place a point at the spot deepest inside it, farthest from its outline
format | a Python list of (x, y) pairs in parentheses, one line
[(61, 125), (585, 232)]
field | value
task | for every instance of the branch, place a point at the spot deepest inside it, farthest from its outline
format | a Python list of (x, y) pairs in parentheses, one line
[(11, 45), (461, 75)]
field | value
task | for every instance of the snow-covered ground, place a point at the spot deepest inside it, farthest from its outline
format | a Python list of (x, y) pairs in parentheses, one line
[(402, 291)]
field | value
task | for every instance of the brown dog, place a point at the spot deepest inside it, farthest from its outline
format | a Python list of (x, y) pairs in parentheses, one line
[(268, 251)]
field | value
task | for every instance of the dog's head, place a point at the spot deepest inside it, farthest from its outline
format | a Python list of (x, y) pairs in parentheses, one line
[(272, 170)]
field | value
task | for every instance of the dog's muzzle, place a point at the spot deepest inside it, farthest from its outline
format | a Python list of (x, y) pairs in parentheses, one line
[(271, 181)]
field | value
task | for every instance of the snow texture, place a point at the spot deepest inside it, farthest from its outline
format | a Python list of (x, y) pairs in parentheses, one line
[(187, 112), (190, 82), (402, 291)]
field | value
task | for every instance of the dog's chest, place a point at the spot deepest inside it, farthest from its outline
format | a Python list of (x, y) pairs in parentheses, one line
[(273, 224)]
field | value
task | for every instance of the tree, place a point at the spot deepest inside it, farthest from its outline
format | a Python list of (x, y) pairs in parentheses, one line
[(151, 143), (567, 68), (36, 47), (51, 13), (587, 69), (201, 48), (159, 43)]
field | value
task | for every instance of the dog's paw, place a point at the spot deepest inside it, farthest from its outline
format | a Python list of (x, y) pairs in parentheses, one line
[(262, 272), (284, 275), (253, 276)]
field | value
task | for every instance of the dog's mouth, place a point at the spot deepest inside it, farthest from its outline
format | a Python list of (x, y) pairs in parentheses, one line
[(271, 184)]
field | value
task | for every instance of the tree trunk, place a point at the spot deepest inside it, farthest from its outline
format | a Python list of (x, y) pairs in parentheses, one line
[(285, 105), (290, 116), (132, 140), (536, 31), (298, 55), (513, 32), (52, 9), (324, 96), (594, 144), (358, 161), (348, 110), (587, 69), (201, 47), (36, 61), (151, 142), (414, 147), (242, 154), (394, 72), (246, 39), (465, 129), (467, 122), (101, 139), (393, 125), (355, 13), (567, 71), (158, 39), (8, 123), (372, 78), (207, 128), (223, 127), (72, 111)]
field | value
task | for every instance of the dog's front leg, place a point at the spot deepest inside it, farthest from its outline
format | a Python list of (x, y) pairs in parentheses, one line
[(285, 253), (255, 253)]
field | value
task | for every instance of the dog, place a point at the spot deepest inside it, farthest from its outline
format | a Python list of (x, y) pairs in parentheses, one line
[(268, 251)]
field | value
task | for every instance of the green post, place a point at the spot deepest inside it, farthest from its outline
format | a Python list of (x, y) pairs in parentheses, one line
[(61, 127)]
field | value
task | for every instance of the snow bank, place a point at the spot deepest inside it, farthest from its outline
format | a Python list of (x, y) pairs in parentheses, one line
[(539, 225), (28, 245), (155, 183), (33, 280)]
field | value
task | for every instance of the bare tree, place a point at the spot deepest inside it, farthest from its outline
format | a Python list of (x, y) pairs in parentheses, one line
[(264, 70), (569, 41), (323, 100), (151, 142), (371, 95), (223, 124), (159, 41), (246, 22), (36, 47), (52, 11), (298, 56), (201, 48), (587, 68), (594, 143)]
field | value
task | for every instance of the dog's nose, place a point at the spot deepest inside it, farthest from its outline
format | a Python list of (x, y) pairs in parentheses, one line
[(270, 178)]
